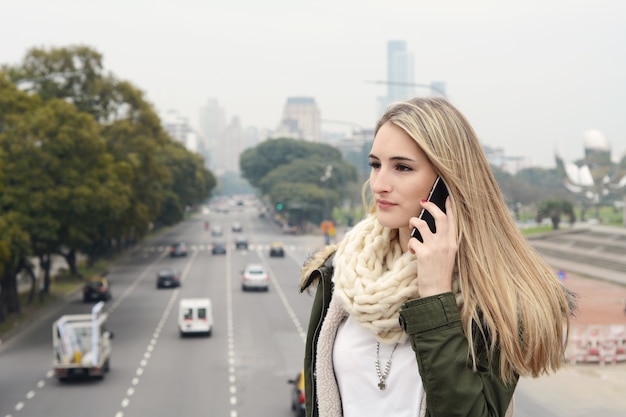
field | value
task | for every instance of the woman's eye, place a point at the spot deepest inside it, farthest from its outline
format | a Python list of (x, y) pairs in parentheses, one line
[(403, 168), (374, 164)]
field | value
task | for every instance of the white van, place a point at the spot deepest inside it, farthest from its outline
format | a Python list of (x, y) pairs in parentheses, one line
[(195, 315)]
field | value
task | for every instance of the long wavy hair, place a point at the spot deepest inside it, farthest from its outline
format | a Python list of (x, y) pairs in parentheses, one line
[(513, 304)]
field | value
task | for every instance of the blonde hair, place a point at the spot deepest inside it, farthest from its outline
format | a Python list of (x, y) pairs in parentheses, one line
[(512, 302)]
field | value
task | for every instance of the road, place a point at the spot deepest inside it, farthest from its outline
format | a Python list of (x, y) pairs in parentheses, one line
[(241, 370), (256, 346)]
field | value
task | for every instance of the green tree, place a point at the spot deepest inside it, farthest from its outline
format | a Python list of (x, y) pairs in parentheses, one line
[(304, 201), (75, 73), (86, 164), (14, 247), (258, 161), (190, 182), (62, 179), (296, 176), (554, 209), (14, 240)]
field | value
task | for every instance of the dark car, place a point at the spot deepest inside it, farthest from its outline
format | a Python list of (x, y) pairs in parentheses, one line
[(277, 250), (298, 404), (218, 248), (168, 277), (96, 289), (241, 242), (178, 249)]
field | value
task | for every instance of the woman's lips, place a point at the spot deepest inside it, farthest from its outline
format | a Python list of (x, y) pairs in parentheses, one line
[(384, 204)]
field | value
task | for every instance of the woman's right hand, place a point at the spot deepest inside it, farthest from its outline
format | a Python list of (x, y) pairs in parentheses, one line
[(436, 255)]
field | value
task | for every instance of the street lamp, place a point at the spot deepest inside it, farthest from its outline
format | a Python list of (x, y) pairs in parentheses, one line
[(26, 84), (432, 86)]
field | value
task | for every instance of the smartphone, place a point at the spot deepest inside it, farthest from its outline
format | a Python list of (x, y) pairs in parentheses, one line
[(438, 195)]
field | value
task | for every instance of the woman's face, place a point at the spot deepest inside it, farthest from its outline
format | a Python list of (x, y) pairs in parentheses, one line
[(401, 176)]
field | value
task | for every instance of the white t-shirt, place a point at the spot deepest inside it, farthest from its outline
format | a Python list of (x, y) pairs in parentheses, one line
[(354, 361)]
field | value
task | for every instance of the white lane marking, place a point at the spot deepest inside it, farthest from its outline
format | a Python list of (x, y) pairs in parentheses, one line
[(30, 395), (283, 298), (230, 334), (153, 341)]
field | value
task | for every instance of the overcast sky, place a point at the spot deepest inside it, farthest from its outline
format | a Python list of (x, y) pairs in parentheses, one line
[(529, 74)]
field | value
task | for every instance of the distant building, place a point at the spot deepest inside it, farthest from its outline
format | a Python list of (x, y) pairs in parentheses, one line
[(401, 85), (212, 122), (301, 120), (355, 149), (510, 164), (400, 72), (229, 148), (178, 128)]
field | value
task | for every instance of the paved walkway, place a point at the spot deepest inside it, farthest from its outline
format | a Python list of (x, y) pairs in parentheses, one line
[(585, 389)]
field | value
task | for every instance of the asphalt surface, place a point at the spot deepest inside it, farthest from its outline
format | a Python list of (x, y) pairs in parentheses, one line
[(241, 370)]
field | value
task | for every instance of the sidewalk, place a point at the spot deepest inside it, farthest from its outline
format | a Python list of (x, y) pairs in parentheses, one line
[(585, 389)]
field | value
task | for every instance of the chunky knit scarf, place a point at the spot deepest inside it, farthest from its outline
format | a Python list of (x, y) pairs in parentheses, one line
[(373, 278)]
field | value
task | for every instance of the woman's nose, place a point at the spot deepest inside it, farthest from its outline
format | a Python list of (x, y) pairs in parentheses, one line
[(379, 182)]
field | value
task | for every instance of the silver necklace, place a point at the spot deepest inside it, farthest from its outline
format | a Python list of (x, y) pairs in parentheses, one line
[(383, 377)]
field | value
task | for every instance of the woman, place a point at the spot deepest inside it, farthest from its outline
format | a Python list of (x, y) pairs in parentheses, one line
[(442, 327)]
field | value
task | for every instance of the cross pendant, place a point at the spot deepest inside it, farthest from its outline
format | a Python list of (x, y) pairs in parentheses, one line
[(381, 385)]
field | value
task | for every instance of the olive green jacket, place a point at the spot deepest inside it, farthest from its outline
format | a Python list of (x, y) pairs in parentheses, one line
[(433, 324)]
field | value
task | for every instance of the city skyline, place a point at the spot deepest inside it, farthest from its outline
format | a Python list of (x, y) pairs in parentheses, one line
[(529, 76)]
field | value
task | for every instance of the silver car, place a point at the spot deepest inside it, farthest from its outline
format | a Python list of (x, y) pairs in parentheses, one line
[(255, 277)]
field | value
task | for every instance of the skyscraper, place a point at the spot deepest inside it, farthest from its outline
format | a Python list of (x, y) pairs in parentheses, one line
[(212, 120), (400, 72)]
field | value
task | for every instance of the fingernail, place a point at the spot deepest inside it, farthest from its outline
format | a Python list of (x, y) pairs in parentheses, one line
[(424, 201)]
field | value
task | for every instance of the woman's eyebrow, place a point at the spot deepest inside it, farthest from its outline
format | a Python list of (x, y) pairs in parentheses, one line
[(394, 158), (402, 158)]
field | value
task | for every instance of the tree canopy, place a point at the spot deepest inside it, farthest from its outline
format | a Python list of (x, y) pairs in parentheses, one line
[(292, 173), (86, 165)]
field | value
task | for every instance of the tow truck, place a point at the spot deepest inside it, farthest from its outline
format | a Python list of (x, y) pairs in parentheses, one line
[(82, 344)]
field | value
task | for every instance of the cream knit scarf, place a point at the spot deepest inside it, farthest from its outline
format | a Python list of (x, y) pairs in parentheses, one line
[(373, 278)]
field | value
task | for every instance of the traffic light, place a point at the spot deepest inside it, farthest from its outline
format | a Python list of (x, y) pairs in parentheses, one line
[(279, 206)]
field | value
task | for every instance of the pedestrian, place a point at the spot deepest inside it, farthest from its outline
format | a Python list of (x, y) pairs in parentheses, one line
[(439, 327)]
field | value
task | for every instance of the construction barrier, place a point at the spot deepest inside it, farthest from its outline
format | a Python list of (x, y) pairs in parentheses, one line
[(597, 344)]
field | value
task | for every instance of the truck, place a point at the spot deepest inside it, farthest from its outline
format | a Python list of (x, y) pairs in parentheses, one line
[(82, 344)]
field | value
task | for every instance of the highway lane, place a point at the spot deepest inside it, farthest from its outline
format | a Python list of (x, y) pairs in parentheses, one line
[(241, 370)]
